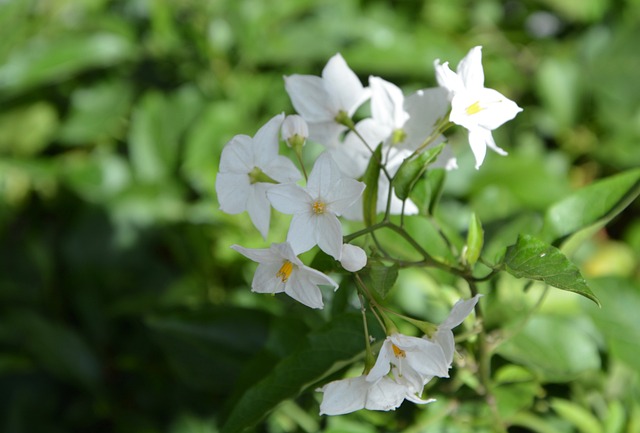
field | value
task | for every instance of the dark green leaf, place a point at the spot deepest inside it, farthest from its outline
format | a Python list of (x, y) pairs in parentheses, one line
[(426, 193), (380, 277), (370, 194), (598, 202), (199, 343), (536, 260), (411, 170), (326, 351)]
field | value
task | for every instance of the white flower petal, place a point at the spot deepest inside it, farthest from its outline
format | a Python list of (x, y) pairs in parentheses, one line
[(266, 140), (326, 132), (459, 312), (259, 208), (343, 86), (344, 396), (260, 255), (265, 280), (383, 363), (232, 190), (470, 69), (289, 198), (282, 170), (343, 194), (309, 97), (387, 103), (303, 290), (237, 155), (447, 78), (478, 141), (385, 394), (323, 177), (301, 232), (328, 233)]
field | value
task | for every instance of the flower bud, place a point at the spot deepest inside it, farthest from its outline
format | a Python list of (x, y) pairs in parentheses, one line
[(295, 131), (353, 258)]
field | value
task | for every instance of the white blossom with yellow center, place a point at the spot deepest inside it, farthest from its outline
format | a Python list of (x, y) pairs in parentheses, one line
[(280, 270), (316, 207), (478, 109)]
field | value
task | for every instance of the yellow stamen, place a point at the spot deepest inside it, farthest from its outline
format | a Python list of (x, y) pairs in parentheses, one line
[(474, 108), (319, 207), (399, 353), (285, 271)]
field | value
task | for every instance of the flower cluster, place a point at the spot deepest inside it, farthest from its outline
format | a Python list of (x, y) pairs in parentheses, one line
[(254, 177)]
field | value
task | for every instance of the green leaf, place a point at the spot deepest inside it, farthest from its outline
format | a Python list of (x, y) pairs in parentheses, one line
[(199, 342), (412, 170), (326, 351), (370, 194), (46, 60), (597, 203), (557, 348), (536, 260), (580, 417), (380, 277)]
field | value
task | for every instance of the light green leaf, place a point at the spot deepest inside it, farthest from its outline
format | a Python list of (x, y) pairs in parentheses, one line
[(380, 277), (557, 348), (536, 260), (412, 170), (326, 351), (577, 415), (370, 194), (597, 203), (44, 61), (475, 240)]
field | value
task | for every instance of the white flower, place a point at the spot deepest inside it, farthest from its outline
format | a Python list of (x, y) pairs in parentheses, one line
[(324, 102), (247, 166), (294, 130), (352, 394), (279, 270), (480, 110), (415, 361), (316, 208), (444, 335), (353, 258)]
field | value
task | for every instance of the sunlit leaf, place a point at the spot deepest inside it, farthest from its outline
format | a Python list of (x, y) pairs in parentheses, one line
[(536, 260), (411, 170), (370, 194), (598, 202)]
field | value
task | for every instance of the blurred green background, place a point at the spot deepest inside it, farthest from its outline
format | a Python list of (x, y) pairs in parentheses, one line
[(122, 307)]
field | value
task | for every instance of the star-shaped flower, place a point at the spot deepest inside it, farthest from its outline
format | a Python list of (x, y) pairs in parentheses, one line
[(327, 102), (355, 393), (316, 208), (473, 106), (280, 270), (248, 168)]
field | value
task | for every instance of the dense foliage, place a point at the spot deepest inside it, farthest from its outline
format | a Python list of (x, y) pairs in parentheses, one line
[(122, 307)]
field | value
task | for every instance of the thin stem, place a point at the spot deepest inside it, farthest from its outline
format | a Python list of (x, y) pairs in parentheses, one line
[(304, 171), (484, 363)]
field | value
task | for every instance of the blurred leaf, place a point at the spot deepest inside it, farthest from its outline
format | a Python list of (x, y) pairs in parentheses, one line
[(412, 170), (558, 84), (207, 348), (370, 194), (427, 190), (97, 113), (617, 319), (157, 126), (26, 131), (515, 389), (56, 347), (555, 347), (379, 277), (580, 417), (536, 260), (596, 203), (327, 350), (48, 60)]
